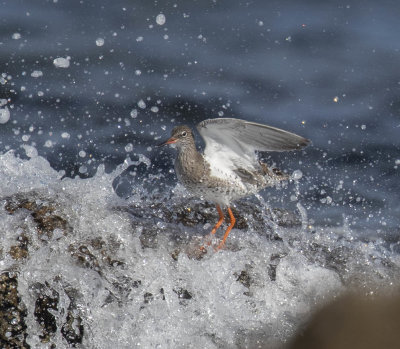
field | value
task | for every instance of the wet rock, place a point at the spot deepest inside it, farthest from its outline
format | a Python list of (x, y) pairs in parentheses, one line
[(72, 330), (149, 237), (45, 306), (12, 314), (183, 295), (274, 261), (152, 218), (244, 278), (95, 254), (148, 297), (285, 218), (43, 211), (20, 251), (48, 312)]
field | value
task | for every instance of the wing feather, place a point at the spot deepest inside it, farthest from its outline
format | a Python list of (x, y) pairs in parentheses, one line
[(250, 135), (231, 143)]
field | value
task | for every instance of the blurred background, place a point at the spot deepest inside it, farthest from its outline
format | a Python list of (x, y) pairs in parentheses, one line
[(96, 82)]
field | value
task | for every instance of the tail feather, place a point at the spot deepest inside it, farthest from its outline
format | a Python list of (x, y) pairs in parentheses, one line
[(274, 173)]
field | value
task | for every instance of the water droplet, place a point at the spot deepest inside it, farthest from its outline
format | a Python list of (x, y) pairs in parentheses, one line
[(160, 19), (61, 62), (141, 104), (134, 113), (82, 169), (99, 41), (37, 73), (4, 115), (297, 174), (129, 147)]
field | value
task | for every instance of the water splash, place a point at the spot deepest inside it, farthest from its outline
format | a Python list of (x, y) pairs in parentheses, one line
[(96, 270)]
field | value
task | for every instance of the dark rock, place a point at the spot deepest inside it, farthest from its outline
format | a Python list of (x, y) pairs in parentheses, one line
[(20, 251), (44, 306), (275, 259), (47, 310), (44, 212), (244, 278), (95, 254), (183, 293), (72, 330), (12, 314), (148, 297), (153, 217)]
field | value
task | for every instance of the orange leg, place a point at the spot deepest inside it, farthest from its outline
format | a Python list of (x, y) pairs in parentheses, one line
[(221, 219), (233, 221)]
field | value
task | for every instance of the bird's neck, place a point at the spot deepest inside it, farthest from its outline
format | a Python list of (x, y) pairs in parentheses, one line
[(189, 152), (190, 163)]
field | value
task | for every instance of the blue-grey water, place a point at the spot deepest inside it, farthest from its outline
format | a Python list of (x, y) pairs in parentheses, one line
[(90, 83), (326, 70)]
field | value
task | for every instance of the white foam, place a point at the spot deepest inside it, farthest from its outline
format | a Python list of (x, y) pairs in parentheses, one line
[(138, 303)]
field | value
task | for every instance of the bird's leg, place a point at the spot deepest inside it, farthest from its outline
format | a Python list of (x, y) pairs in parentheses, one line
[(221, 219), (233, 221), (214, 230)]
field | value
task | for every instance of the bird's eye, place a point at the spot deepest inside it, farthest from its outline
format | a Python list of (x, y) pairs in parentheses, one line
[(184, 134)]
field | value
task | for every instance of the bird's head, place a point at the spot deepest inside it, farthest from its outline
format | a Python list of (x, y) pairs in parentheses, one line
[(181, 136)]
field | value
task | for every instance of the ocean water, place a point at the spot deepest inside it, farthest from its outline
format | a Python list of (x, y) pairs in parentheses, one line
[(92, 219)]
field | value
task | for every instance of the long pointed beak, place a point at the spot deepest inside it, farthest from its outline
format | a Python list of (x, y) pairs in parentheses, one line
[(171, 140)]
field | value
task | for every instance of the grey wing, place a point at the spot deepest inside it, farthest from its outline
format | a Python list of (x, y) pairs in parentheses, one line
[(245, 136)]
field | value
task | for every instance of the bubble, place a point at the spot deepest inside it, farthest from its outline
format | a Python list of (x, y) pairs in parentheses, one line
[(154, 109), (16, 36), (4, 115), (61, 62), (297, 174), (65, 135), (160, 19), (363, 127), (99, 42), (82, 153)]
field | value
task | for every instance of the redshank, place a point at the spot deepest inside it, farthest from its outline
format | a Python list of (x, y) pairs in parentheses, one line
[(229, 168)]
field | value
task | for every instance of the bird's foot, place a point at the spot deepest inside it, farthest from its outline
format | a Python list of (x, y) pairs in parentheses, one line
[(220, 246)]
